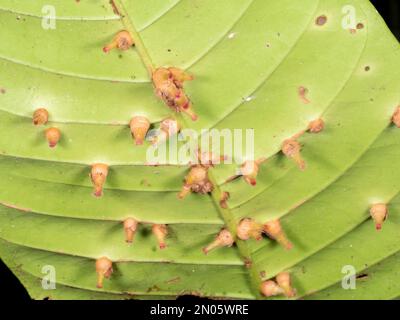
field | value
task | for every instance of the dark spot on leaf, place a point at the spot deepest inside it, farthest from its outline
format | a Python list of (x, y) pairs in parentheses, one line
[(367, 68), (363, 276), (2, 90), (321, 20), (360, 26), (153, 288), (248, 263)]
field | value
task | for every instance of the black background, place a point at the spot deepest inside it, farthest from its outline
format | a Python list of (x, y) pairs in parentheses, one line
[(11, 289)]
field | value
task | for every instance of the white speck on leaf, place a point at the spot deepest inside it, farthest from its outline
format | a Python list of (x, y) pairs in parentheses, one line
[(232, 35)]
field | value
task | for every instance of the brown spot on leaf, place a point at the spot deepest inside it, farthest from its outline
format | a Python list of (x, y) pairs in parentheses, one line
[(321, 20), (153, 288), (248, 263)]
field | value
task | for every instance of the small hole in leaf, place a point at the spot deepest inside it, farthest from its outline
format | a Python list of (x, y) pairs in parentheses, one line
[(321, 20)]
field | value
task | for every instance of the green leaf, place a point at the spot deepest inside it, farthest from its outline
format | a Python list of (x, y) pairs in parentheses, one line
[(249, 58)]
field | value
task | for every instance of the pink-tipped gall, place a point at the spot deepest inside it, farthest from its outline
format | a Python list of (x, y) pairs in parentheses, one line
[(104, 270), (249, 170), (183, 104), (139, 127), (274, 230), (283, 280), (168, 84), (379, 213), (248, 228), (291, 149), (130, 226), (122, 41), (270, 288), (53, 136), (196, 181), (168, 128), (98, 176), (160, 231), (179, 76), (223, 239), (40, 117), (316, 126)]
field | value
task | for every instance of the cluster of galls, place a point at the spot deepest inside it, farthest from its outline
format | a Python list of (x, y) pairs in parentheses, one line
[(53, 135), (160, 231), (104, 267), (281, 285), (250, 229), (247, 229), (291, 148), (168, 83), (196, 181)]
